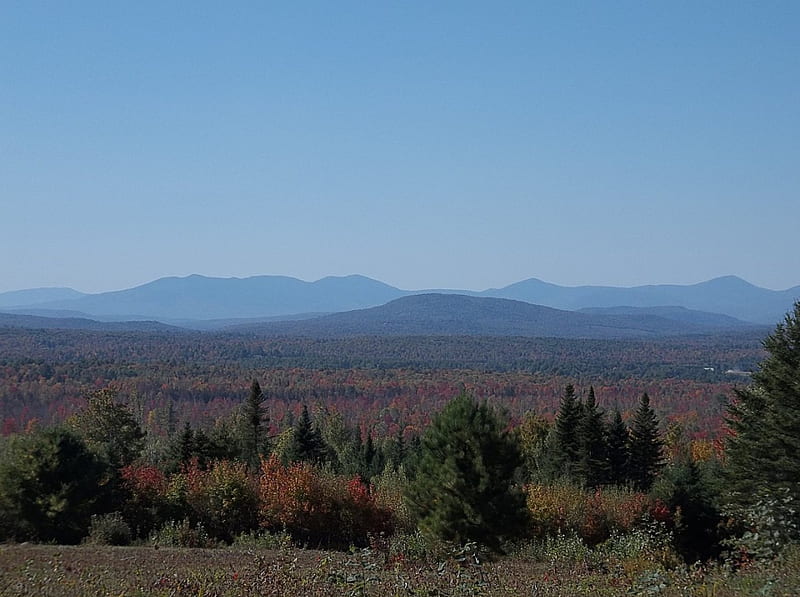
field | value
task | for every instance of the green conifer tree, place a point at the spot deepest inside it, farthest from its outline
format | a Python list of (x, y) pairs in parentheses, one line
[(463, 490), (253, 427), (565, 444), (618, 450), (764, 450), (50, 485), (646, 446), (592, 466), (306, 443)]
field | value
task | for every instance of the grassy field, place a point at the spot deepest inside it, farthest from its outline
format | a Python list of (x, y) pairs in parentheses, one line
[(121, 571)]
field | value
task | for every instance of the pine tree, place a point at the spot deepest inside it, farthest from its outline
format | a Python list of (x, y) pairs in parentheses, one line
[(645, 445), (593, 463), (50, 485), (764, 451), (252, 429), (463, 490), (618, 450)]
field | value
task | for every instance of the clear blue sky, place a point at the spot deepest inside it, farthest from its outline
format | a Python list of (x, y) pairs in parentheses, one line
[(426, 144)]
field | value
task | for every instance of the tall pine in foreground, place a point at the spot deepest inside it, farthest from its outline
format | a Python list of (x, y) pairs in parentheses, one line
[(646, 447), (463, 490), (764, 450), (253, 427)]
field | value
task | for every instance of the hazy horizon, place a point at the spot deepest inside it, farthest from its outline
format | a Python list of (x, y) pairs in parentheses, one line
[(453, 145), (432, 288)]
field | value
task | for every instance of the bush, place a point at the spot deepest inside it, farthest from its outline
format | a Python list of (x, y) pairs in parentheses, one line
[(223, 498), (147, 506), (766, 527), (317, 508), (109, 529), (593, 516), (182, 534), (263, 540)]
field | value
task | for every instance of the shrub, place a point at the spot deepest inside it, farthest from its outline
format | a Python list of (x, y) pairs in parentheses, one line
[(765, 527), (109, 529), (263, 540), (147, 505), (593, 516), (182, 534), (317, 508), (222, 498)]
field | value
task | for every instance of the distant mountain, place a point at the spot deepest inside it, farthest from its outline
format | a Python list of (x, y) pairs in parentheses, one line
[(35, 296), (452, 314), (12, 320), (728, 295), (202, 298), (680, 314)]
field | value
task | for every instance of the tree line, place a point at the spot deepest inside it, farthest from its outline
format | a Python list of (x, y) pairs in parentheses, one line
[(469, 476)]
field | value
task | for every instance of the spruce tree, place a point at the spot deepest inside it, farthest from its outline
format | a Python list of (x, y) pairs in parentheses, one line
[(645, 445), (253, 425), (565, 445), (618, 450), (593, 463), (182, 448), (764, 450), (463, 490), (306, 443)]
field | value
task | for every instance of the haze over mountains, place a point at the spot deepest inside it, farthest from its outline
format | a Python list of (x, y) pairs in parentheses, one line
[(584, 311)]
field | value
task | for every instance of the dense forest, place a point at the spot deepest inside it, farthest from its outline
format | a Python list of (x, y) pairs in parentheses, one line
[(196, 440), (378, 383)]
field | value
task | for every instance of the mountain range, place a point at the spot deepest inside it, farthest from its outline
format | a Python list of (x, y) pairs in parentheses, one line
[(201, 302)]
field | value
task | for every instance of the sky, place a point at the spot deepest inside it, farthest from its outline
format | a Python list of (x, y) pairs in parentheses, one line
[(425, 144)]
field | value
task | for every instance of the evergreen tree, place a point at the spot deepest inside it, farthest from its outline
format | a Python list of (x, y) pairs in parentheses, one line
[(764, 451), (253, 425), (684, 489), (463, 490), (645, 446), (306, 442), (618, 450), (565, 444), (182, 448), (372, 459), (50, 485), (593, 464)]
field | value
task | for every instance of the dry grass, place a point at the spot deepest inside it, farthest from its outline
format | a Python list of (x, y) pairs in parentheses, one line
[(42, 570)]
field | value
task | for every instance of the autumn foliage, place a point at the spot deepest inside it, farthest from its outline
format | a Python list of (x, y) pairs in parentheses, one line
[(318, 508)]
